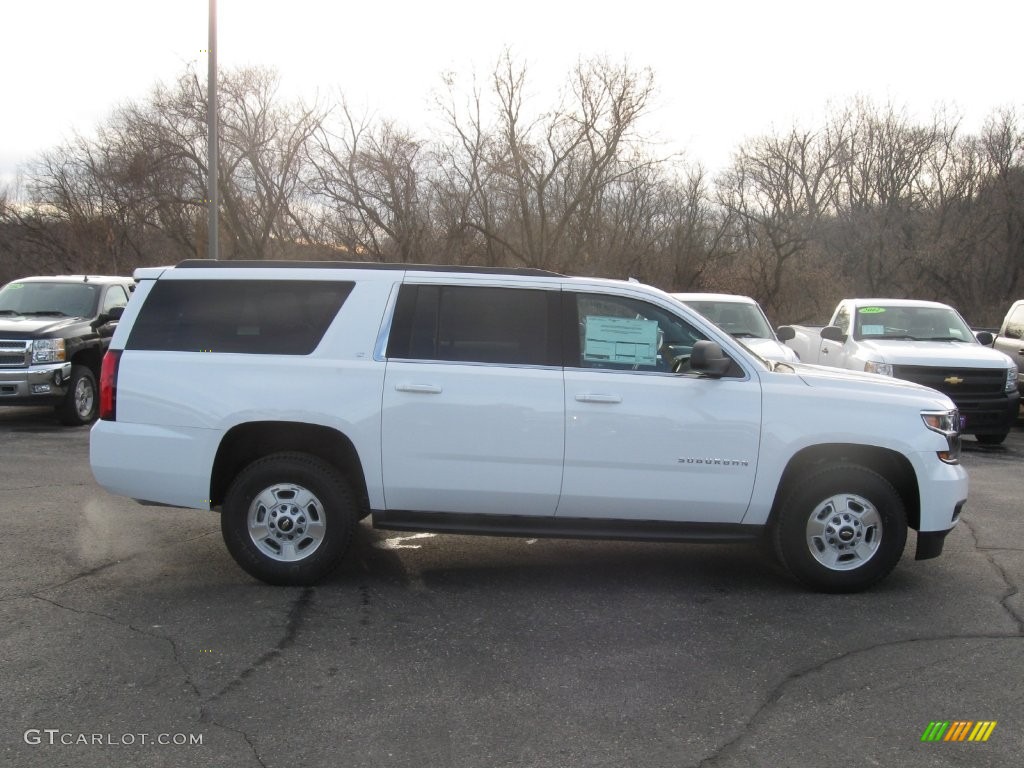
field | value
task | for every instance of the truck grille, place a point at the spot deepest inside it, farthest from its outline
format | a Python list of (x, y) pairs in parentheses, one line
[(955, 382), (15, 353), (978, 393)]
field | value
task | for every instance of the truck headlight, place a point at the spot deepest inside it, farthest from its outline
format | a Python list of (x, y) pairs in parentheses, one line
[(1011, 379), (873, 366), (52, 351), (947, 424)]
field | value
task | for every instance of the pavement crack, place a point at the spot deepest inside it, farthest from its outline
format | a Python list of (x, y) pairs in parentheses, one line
[(244, 735), (776, 693), (1011, 589), (296, 617), (70, 580), (176, 655)]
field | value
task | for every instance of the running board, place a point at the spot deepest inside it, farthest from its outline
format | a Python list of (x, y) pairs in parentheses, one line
[(564, 528)]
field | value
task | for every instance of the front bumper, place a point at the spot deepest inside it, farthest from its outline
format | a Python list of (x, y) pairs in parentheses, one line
[(930, 543), (37, 385), (943, 492), (988, 416)]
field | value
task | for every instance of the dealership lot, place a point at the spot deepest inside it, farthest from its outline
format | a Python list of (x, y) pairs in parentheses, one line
[(128, 635)]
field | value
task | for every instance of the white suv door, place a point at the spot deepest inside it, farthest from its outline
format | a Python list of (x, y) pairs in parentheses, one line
[(641, 441), (473, 411)]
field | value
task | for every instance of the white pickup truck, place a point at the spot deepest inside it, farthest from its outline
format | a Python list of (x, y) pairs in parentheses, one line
[(925, 342)]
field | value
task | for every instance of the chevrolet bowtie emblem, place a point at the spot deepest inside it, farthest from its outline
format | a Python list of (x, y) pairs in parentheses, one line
[(953, 380)]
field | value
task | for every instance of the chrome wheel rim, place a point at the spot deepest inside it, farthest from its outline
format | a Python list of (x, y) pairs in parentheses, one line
[(844, 532), (287, 522), (85, 398)]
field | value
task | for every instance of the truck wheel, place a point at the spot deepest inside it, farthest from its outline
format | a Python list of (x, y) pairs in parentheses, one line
[(841, 530), (288, 518), (991, 439), (80, 403)]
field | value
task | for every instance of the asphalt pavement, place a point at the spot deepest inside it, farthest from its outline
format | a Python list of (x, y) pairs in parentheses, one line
[(128, 637)]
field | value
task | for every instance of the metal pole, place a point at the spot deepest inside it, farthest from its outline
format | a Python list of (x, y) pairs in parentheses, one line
[(213, 154)]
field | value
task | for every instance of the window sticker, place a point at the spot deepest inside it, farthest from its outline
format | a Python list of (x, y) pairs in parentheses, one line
[(872, 330), (871, 310), (618, 340)]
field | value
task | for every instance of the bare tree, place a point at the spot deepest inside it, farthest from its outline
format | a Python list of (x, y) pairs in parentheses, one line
[(777, 192), (263, 164), (881, 197), (532, 182), (372, 181)]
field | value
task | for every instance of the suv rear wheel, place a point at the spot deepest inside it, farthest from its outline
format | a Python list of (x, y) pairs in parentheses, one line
[(841, 529), (288, 518)]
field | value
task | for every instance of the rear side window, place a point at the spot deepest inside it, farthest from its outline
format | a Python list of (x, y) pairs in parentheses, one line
[(268, 317), (510, 326)]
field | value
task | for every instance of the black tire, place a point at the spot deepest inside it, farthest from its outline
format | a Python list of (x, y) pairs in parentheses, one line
[(306, 510), (81, 404), (991, 439), (840, 530)]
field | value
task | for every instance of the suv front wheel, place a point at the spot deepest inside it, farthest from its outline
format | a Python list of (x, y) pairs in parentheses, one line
[(288, 518), (841, 529)]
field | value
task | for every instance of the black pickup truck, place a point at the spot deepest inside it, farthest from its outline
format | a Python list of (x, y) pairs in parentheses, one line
[(53, 333)]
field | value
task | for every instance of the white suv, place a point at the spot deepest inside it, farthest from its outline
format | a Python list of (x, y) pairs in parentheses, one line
[(298, 398)]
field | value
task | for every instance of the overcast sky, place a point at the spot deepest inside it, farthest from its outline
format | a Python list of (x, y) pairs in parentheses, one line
[(724, 69)]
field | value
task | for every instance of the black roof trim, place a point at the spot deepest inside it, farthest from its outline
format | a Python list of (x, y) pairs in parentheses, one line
[(277, 264)]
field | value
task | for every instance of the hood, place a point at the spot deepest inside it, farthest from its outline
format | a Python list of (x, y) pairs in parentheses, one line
[(770, 349), (948, 354), (840, 378), (33, 326)]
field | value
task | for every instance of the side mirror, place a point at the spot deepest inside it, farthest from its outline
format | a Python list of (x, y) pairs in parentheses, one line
[(985, 338), (785, 332), (107, 317), (833, 333), (707, 358)]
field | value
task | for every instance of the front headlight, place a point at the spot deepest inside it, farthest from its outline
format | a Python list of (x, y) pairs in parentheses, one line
[(48, 351), (1011, 379), (873, 366), (947, 424)]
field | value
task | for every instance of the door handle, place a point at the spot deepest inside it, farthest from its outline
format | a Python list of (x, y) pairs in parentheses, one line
[(598, 398), (422, 389)]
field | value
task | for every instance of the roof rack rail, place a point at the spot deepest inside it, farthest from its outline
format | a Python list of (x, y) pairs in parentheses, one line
[(283, 264)]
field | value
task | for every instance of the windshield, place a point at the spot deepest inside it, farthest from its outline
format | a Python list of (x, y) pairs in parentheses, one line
[(744, 321), (57, 299), (910, 323)]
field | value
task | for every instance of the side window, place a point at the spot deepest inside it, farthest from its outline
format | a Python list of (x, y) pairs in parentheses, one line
[(843, 320), (268, 317), (620, 333), (476, 324), (116, 297), (1015, 325)]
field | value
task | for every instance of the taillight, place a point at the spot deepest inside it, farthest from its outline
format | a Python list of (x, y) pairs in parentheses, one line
[(108, 385)]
